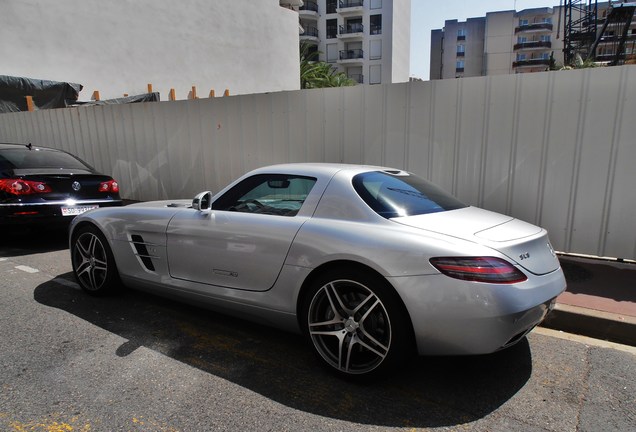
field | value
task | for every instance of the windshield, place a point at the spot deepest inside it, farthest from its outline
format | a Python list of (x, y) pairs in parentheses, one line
[(396, 195), (23, 158)]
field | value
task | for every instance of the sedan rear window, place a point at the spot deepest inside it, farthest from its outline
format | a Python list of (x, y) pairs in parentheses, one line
[(23, 158), (398, 194)]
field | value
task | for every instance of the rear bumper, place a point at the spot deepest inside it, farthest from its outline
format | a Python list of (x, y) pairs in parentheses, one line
[(45, 212), (454, 317)]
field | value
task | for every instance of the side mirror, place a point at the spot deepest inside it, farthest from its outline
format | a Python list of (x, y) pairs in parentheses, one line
[(202, 201)]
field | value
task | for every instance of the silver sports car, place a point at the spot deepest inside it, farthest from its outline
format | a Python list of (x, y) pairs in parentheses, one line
[(371, 264)]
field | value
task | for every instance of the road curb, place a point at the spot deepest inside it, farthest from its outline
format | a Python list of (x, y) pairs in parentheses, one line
[(592, 323)]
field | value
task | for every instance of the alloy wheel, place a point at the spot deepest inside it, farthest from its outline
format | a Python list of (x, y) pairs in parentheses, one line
[(90, 261), (349, 326)]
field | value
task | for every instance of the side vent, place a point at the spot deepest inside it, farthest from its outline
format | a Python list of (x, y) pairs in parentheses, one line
[(142, 252)]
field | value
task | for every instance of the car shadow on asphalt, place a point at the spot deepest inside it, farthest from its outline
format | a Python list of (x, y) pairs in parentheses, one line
[(428, 392), (19, 241)]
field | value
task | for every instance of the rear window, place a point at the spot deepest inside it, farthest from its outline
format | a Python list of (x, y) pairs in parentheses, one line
[(399, 194), (19, 158)]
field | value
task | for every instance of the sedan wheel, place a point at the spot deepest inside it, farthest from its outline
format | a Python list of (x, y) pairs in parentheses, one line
[(93, 262), (355, 325)]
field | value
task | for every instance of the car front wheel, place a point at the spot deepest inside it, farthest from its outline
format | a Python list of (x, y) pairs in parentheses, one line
[(93, 262), (356, 324)]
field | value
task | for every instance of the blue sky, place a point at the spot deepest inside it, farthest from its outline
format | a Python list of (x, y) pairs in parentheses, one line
[(427, 15)]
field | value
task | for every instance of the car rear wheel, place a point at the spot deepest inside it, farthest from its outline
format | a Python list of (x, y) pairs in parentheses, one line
[(93, 262), (356, 324)]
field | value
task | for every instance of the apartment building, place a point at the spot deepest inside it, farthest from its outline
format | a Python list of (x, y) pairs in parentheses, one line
[(368, 40), (508, 42)]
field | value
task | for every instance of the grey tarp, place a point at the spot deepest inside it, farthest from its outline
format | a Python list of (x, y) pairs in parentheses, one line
[(146, 97), (46, 94)]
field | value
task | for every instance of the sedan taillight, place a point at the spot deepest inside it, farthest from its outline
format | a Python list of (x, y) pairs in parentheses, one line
[(479, 269), (109, 186), (23, 187)]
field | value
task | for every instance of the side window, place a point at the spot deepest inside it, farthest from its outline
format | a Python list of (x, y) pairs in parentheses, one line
[(272, 194)]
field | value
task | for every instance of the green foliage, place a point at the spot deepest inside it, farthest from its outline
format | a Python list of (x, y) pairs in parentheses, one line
[(578, 63), (319, 74)]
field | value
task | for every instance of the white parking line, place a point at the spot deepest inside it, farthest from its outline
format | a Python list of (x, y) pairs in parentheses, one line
[(27, 269)]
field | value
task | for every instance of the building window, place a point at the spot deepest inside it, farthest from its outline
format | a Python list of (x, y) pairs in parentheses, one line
[(521, 57), (545, 56), (547, 20), (523, 22), (375, 74), (332, 53), (545, 38), (461, 50), (459, 66), (522, 39), (332, 28), (376, 4), (331, 6), (376, 24), (461, 34), (375, 49)]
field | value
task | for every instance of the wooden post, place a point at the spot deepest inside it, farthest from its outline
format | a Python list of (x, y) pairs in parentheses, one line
[(149, 88), (227, 92), (172, 95), (194, 92), (125, 94), (211, 93), (96, 95), (29, 102)]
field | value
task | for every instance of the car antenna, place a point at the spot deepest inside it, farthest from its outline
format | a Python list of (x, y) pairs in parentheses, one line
[(29, 146)]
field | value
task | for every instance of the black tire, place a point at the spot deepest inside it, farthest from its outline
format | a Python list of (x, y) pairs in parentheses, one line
[(356, 324), (93, 262)]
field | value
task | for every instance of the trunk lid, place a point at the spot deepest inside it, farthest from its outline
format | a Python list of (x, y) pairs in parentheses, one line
[(523, 243)]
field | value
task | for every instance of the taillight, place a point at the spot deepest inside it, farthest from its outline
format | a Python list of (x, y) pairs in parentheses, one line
[(109, 186), (23, 187), (479, 269)]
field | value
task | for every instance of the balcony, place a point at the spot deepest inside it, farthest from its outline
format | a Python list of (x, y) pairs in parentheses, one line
[(537, 27), (460, 53), (346, 7), (531, 63), (461, 37), (530, 45), (310, 34), (309, 8), (351, 56), (351, 31)]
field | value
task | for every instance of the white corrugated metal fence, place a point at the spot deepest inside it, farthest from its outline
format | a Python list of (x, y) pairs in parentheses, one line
[(557, 149)]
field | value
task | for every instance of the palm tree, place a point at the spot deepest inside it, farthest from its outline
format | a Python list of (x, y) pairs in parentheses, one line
[(319, 74)]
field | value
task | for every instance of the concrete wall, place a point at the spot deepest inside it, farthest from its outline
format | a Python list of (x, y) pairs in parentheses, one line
[(553, 148), (500, 30), (401, 41), (119, 46)]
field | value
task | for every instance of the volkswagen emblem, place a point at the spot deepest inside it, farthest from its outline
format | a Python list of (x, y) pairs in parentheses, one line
[(76, 186)]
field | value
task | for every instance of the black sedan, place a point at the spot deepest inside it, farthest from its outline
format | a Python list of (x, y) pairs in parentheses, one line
[(40, 185)]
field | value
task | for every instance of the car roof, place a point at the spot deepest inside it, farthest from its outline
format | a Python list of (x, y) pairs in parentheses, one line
[(13, 146), (318, 169)]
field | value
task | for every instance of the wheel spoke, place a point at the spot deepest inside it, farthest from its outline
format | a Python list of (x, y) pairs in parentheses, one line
[(91, 266), (380, 348), (330, 289)]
